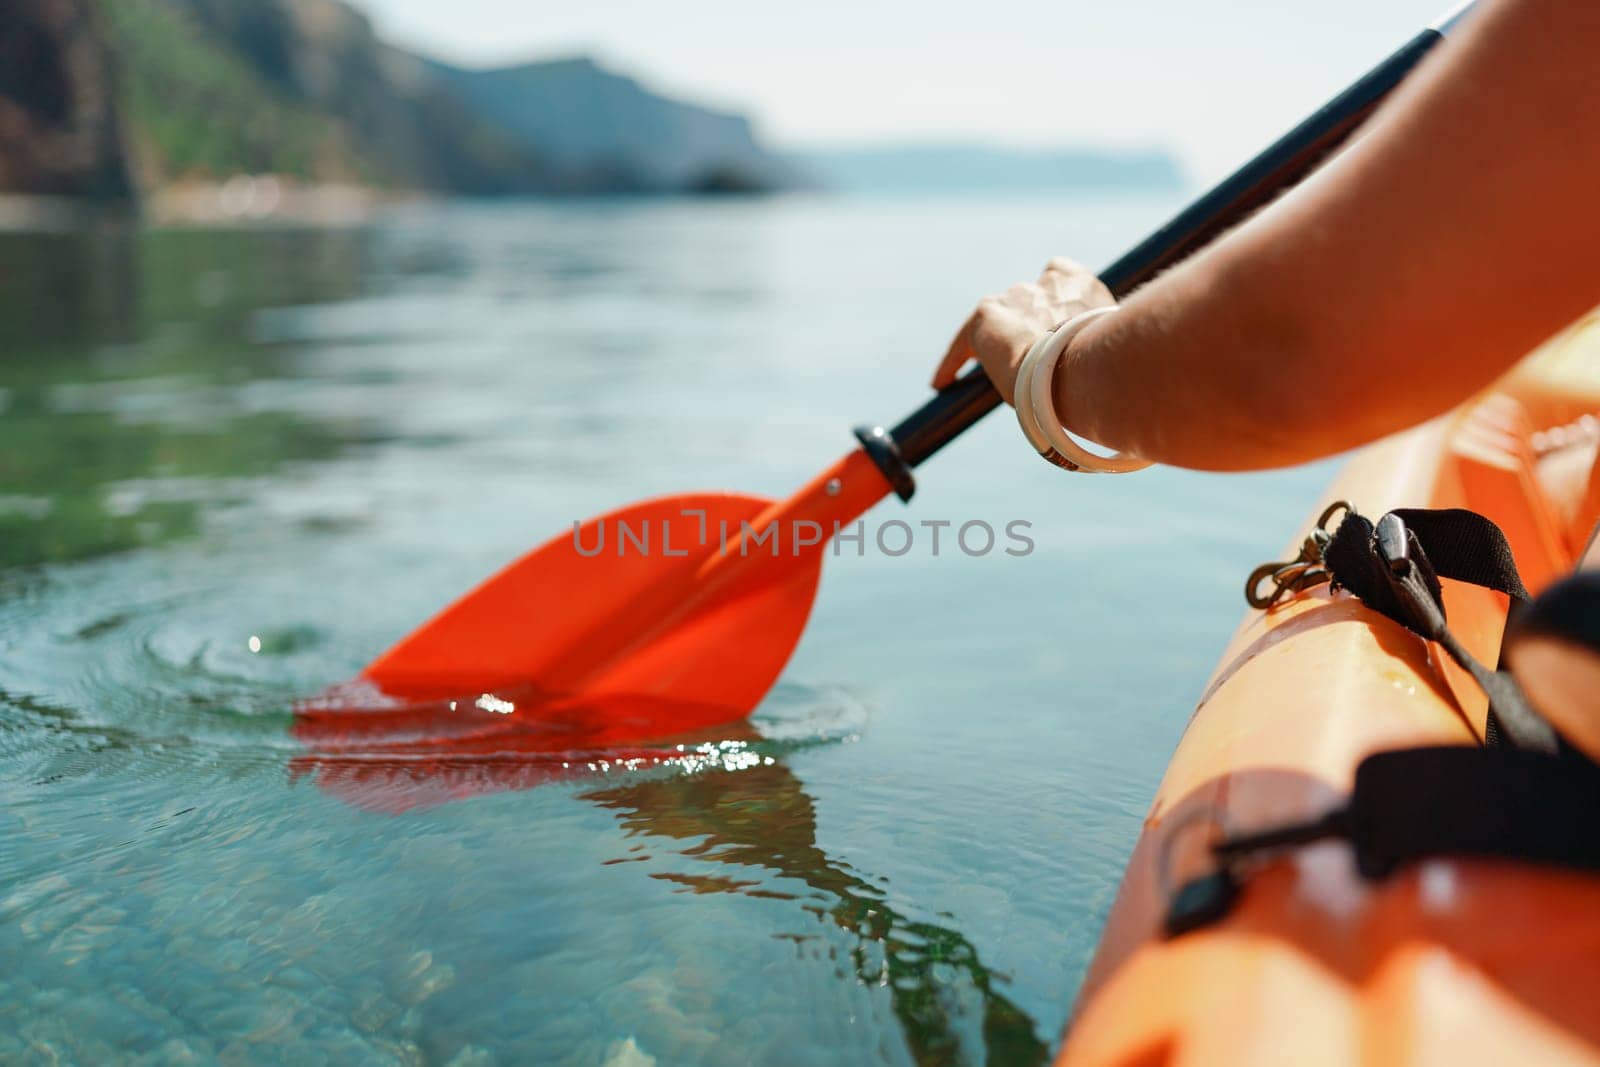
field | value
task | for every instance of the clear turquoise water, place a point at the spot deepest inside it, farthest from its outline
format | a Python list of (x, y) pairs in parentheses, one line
[(318, 438)]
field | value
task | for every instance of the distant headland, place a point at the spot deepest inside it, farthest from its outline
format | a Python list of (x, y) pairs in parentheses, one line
[(256, 104)]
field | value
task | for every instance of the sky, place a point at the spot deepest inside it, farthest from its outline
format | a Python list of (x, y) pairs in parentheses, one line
[(1214, 82)]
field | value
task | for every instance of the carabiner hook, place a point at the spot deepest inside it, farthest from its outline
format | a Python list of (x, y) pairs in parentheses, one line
[(1305, 571)]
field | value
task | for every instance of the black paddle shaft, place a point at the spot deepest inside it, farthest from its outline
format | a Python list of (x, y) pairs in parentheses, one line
[(1257, 183)]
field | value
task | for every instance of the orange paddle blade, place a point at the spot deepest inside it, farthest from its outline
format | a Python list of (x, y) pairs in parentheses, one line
[(669, 615), (564, 610)]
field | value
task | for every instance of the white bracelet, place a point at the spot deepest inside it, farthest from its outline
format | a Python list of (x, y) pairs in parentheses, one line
[(1022, 400), (1035, 403)]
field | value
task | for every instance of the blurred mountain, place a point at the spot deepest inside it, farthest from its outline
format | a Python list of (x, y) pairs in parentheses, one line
[(602, 129), (208, 89), (983, 168), (99, 97)]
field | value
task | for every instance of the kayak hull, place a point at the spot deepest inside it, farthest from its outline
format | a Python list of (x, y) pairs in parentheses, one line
[(1448, 961)]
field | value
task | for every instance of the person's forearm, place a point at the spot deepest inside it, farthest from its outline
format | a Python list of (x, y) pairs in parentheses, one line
[(1462, 230)]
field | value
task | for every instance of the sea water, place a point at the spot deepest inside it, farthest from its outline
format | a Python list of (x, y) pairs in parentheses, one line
[(237, 464)]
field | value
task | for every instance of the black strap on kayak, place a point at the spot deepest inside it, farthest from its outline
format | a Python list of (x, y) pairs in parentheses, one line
[(1418, 803), (1525, 795), (1394, 567)]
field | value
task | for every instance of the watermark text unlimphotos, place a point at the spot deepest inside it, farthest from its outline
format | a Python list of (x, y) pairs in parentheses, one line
[(618, 538)]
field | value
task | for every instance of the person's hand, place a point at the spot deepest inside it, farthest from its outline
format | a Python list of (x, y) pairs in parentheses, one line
[(1000, 332)]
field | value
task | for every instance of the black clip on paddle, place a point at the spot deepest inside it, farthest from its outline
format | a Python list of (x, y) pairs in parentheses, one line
[(880, 446)]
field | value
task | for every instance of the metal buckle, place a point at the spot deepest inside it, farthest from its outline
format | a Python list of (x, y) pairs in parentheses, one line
[(1295, 576)]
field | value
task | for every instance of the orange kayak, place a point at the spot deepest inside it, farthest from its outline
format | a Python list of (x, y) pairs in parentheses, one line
[(1446, 961)]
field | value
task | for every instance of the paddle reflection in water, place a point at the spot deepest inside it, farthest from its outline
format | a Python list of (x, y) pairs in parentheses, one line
[(730, 800), (762, 818)]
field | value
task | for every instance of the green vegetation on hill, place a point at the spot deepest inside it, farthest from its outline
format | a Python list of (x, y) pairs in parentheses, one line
[(209, 89), (213, 88), (193, 108), (392, 114)]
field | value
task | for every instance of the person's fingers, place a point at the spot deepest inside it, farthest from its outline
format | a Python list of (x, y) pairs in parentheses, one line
[(1058, 288), (999, 352), (1067, 280), (1022, 297), (959, 354), (998, 333), (1063, 266)]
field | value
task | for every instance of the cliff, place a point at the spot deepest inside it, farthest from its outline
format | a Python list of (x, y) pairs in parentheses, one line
[(99, 95), (302, 88), (59, 123)]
